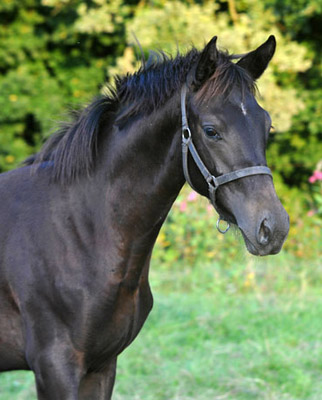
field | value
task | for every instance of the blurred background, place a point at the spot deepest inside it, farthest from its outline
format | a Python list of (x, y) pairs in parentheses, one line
[(226, 325)]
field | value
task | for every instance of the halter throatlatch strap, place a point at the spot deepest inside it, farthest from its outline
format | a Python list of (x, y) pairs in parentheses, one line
[(212, 181)]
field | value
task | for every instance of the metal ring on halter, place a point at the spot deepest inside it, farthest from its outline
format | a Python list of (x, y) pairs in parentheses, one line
[(218, 227), (184, 131)]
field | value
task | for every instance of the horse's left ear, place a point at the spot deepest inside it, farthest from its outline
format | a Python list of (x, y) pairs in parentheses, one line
[(206, 64), (256, 61)]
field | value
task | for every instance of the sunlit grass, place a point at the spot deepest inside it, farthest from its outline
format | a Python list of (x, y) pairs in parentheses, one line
[(17, 385), (239, 347)]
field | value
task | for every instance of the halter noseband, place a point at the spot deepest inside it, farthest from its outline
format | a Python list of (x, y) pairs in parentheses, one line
[(212, 181)]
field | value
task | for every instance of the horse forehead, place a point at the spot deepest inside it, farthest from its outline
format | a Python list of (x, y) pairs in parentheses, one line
[(247, 106), (244, 102), (237, 107)]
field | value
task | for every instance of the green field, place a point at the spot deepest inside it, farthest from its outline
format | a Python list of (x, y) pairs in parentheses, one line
[(216, 335)]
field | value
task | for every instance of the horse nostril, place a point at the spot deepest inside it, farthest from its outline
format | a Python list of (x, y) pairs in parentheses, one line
[(264, 233)]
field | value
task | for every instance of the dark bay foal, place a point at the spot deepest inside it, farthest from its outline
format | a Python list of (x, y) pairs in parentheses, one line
[(79, 221)]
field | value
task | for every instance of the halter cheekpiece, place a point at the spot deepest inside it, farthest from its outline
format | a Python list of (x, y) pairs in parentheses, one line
[(212, 181)]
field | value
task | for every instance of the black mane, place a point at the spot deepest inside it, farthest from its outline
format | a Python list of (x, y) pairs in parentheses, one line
[(72, 149), (154, 83)]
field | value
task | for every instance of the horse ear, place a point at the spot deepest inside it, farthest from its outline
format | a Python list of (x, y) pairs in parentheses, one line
[(207, 63), (256, 61)]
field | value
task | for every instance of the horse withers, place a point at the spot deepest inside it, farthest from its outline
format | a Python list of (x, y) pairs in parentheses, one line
[(79, 220)]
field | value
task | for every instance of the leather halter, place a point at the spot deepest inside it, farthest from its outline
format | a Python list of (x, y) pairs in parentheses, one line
[(212, 181)]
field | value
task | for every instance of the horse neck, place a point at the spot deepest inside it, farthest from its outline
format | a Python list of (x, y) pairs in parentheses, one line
[(142, 171)]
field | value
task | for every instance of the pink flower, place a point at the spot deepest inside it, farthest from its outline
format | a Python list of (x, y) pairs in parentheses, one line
[(183, 206), (192, 196), (317, 176), (310, 213)]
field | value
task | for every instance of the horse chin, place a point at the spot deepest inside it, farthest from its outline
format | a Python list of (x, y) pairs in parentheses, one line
[(249, 245), (252, 249), (229, 218)]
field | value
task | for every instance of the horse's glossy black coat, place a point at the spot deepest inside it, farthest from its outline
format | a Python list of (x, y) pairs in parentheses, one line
[(79, 221)]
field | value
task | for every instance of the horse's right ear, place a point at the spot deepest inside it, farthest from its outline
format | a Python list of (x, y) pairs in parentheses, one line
[(206, 64)]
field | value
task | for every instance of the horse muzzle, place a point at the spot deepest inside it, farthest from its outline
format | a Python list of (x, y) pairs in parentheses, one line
[(265, 235), (268, 236)]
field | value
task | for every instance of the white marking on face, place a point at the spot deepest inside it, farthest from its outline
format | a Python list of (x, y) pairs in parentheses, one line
[(243, 108)]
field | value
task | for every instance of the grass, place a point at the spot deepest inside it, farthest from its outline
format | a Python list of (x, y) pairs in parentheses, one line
[(240, 347), (221, 334)]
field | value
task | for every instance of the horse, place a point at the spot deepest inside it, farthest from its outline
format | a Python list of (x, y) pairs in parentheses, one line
[(80, 218)]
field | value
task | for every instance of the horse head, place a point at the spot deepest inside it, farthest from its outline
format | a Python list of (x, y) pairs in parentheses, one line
[(228, 130)]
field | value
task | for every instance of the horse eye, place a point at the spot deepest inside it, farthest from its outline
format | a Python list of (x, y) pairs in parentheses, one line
[(211, 132)]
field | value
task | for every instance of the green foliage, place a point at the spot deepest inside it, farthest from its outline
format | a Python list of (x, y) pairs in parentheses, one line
[(50, 59)]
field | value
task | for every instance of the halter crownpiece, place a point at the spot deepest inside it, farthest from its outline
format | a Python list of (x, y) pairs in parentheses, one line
[(212, 181)]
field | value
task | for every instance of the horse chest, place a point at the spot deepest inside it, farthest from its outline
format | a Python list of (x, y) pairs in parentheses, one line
[(115, 325)]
